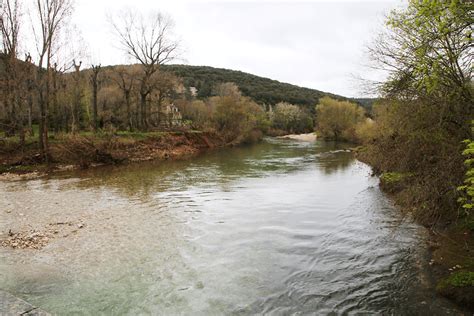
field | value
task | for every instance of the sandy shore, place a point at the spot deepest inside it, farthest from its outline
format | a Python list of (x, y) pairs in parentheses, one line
[(311, 137)]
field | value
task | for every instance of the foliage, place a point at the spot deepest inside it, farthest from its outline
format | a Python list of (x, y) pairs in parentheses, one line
[(366, 130), (393, 177), (467, 190), (427, 106), (459, 279), (338, 119), (429, 48), (261, 90), (291, 118), (196, 111), (235, 118)]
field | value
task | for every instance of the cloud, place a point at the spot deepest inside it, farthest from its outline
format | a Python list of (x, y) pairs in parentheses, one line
[(310, 43)]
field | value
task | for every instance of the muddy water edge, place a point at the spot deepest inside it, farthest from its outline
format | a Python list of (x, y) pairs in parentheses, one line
[(279, 227)]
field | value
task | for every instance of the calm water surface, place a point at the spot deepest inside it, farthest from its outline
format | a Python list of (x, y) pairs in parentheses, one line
[(279, 228)]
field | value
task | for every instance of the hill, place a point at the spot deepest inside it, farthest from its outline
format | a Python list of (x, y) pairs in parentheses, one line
[(262, 90)]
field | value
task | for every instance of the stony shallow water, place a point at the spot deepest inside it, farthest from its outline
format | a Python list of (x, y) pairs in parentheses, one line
[(282, 227)]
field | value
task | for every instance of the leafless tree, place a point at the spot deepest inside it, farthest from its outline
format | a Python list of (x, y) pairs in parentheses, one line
[(95, 81), (78, 93), (10, 28), (50, 15), (149, 40), (124, 77)]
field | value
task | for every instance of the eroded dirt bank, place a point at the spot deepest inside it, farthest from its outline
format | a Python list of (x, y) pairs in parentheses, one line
[(78, 151)]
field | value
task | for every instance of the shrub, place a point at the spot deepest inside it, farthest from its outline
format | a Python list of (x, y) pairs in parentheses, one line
[(337, 120), (291, 118)]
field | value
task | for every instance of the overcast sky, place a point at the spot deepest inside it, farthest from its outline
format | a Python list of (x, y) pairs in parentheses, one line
[(316, 44)]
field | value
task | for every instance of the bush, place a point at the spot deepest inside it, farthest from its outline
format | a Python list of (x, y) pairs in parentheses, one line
[(291, 118), (198, 112), (408, 139), (467, 190), (337, 120), (236, 117), (366, 131)]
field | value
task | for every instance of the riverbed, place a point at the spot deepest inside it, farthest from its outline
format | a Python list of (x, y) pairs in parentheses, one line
[(281, 227)]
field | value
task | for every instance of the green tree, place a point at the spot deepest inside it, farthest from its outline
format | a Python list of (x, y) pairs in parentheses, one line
[(467, 189), (235, 117), (338, 119), (428, 52), (291, 118), (427, 106)]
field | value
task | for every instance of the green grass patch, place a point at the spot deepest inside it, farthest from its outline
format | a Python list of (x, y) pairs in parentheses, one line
[(457, 279), (394, 177)]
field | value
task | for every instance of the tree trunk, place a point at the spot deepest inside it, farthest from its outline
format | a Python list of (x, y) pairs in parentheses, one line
[(129, 114), (143, 118), (94, 105), (95, 90), (41, 123)]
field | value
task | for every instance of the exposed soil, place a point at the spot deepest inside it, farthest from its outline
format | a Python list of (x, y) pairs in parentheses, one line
[(71, 152), (452, 256)]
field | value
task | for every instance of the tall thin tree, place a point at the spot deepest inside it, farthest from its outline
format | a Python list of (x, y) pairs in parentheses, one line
[(95, 81), (149, 40), (50, 16), (10, 28)]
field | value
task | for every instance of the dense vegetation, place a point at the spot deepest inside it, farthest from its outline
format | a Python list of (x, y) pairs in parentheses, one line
[(425, 115), (50, 94), (418, 131), (419, 125), (340, 120), (262, 90)]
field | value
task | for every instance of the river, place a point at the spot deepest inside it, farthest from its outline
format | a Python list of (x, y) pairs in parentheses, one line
[(282, 227)]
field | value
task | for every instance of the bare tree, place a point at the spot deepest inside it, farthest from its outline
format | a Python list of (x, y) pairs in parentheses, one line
[(77, 96), (51, 16), (10, 28), (30, 91), (124, 77), (149, 40), (95, 81)]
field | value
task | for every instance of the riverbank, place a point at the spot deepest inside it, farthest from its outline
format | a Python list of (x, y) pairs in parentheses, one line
[(139, 235), (89, 150), (450, 242)]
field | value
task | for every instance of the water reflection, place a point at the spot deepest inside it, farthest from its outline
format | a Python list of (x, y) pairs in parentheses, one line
[(215, 168), (281, 227)]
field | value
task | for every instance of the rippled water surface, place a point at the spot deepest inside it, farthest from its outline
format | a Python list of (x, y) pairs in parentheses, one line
[(282, 227)]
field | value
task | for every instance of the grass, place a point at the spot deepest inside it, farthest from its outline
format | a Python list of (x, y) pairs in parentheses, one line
[(394, 177), (458, 279)]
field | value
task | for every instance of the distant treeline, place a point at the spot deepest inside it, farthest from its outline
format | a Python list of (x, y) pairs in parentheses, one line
[(54, 92), (262, 90)]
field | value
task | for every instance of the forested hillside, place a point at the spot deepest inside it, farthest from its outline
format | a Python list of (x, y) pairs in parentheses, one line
[(262, 90)]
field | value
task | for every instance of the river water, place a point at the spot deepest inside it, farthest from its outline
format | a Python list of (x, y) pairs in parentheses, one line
[(282, 227)]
